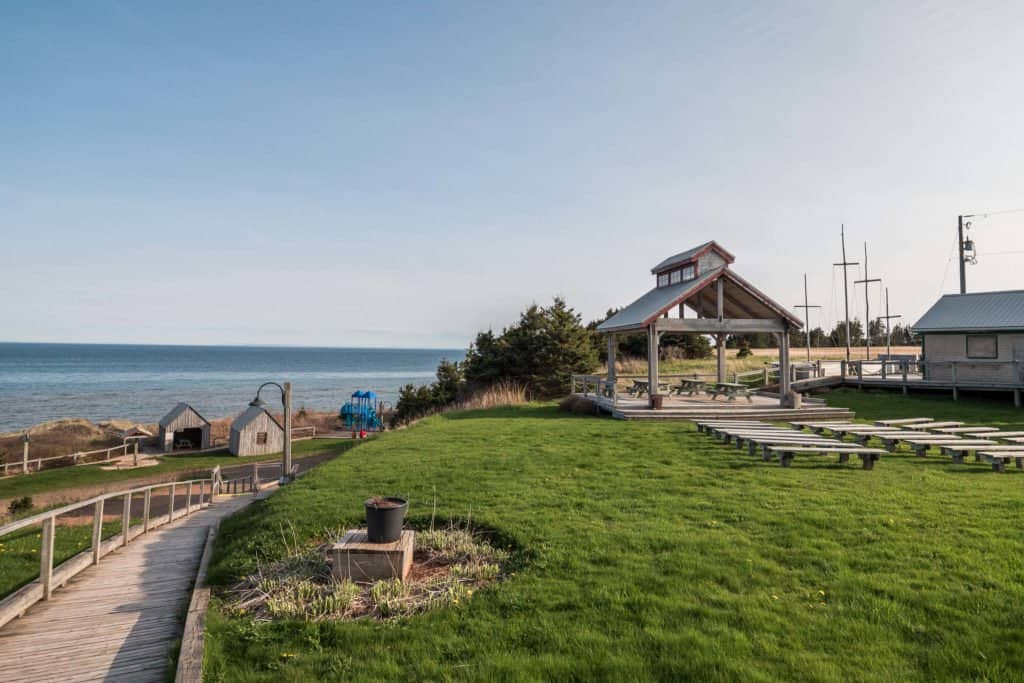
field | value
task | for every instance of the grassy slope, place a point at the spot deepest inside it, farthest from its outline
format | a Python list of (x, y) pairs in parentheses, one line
[(87, 475), (651, 552)]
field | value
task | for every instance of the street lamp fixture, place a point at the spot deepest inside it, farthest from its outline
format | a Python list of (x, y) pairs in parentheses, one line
[(286, 401)]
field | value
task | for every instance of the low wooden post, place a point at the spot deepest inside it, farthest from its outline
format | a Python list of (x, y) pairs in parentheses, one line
[(24, 459), (46, 556), (860, 371), (97, 530), (146, 499), (135, 457), (256, 477), (126, 518), (842, 369), (885, 368), (170, 505), (188, 499), (1016, 398), (956, 391)]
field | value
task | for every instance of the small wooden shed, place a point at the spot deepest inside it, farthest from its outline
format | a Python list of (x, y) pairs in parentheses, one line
[(183, 427), (256, 432)]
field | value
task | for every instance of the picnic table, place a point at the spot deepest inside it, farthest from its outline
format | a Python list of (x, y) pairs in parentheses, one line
[(643, 386), (690, 386), (729, 389)]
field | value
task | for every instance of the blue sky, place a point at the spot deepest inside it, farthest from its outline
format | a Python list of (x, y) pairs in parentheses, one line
[(406, 174)]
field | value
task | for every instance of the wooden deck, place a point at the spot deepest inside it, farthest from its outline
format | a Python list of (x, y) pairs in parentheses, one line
[(703, 407), (119, 620)]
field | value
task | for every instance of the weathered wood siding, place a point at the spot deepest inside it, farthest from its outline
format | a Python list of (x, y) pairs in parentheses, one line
[(189, 419), (953, 347), (243, 442), (709, 261)]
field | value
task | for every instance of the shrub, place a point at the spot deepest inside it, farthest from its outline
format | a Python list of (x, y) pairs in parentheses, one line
[(20, 505)]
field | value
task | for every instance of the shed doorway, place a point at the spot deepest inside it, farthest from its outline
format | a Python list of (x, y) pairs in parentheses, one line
[(188, 438)]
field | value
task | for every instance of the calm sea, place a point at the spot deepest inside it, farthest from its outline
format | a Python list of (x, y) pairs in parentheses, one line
[(40, 382)]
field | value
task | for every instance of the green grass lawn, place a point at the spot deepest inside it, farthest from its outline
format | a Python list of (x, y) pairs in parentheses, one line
[(646, 551), (87, 475), (19, 552)]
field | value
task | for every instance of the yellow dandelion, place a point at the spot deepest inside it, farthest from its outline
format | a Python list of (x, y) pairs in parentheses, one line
[(775, 597), (821, 592)]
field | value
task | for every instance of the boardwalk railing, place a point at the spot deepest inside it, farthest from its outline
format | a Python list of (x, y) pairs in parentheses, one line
[(26, 465), (198, 494)]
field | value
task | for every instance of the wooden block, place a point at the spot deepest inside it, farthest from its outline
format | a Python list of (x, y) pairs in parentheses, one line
[(355, 558)]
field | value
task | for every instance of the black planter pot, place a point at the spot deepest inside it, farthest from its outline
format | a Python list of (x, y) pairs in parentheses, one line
[(384, 524)]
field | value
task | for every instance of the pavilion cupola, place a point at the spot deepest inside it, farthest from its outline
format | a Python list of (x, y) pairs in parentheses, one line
[(691, 264)]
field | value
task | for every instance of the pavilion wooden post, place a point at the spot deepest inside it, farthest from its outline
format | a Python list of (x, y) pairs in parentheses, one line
[(652, 362), (784, 368), (611, 367), (720, 350), (720, 339)]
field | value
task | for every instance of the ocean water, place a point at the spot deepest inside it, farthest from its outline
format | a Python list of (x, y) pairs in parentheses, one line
[(40, 382)]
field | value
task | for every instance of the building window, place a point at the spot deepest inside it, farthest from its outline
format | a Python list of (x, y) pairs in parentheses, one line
[(689, 272), (663, 280), (261, 438), (673, 277), (982, 346)]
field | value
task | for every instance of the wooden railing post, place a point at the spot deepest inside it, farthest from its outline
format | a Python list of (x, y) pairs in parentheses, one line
[(146, 498), (170, 505), (256, 477), (188, 499), (126, 518), (97, 531), (46, 557), (842, 369)]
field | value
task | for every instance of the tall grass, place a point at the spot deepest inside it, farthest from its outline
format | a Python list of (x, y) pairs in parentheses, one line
[(504, 393)]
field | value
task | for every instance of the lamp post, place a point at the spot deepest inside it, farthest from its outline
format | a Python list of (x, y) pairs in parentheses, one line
[(26, 440), (286, 400)]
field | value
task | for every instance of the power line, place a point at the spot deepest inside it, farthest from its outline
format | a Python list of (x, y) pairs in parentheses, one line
[(867, 306)]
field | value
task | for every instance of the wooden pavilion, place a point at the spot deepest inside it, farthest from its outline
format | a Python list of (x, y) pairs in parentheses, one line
[(721, 303)]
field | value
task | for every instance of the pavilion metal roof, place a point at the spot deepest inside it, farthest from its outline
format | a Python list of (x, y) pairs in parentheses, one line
[(974, 312), (742, 300)]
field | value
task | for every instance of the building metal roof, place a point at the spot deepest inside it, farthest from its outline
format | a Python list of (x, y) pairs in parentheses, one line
[(176, 412), (741, 297), (691, 254), (246, 418), (975, 312)]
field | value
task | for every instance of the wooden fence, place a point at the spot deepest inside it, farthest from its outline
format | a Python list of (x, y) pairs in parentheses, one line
[(198, 494), (28, 465)]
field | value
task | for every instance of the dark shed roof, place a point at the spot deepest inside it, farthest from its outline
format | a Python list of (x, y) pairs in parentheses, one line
[(976, 312), (177, 411), (246, 418)]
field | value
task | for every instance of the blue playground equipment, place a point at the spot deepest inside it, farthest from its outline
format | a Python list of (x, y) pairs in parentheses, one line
[(361, 412)]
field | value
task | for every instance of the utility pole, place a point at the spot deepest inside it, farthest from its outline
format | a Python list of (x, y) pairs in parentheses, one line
[(807, 317), (867, 306), (966, 247), (846, 295), (960, 245), (888, 331)]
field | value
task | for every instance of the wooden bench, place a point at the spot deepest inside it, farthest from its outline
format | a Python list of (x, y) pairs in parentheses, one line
[(928, 426), (903, 421), (705, 425), (999, 459), (966, 430), (868, 456), (767, 443), (958, 451), (892, 440), (921, 446)]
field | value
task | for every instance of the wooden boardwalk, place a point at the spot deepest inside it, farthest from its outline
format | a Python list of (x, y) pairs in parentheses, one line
[(116, 621)]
